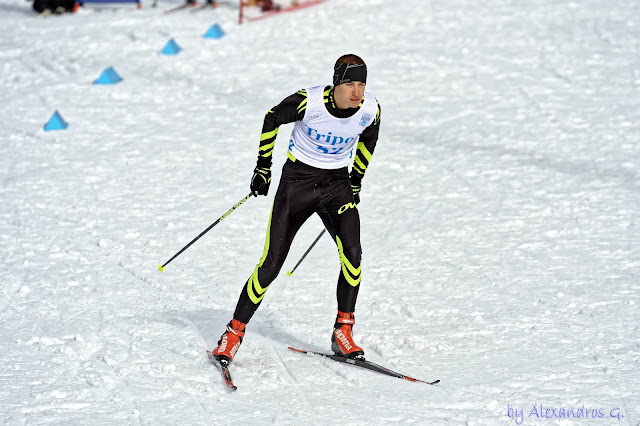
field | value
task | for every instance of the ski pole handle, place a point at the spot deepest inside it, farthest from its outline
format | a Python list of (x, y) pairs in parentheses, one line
[(161, 267)]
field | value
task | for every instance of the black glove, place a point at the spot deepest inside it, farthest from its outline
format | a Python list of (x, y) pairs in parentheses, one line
[(260, 181), (356, 186)]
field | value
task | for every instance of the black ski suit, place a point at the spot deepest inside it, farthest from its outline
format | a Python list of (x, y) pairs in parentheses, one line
[(304, 190)]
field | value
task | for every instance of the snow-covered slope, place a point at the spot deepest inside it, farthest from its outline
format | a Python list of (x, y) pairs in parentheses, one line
[(500, 216)]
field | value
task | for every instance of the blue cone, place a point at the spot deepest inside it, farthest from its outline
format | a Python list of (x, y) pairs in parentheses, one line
[(108, 76), (171, 48), (56, 122), (214, 31)]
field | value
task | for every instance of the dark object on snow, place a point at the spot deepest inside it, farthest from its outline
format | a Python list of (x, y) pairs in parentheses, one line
[(50, 7), (268, 5)]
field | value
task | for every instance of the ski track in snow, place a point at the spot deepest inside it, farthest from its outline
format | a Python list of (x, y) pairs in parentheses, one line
[(500, 215)]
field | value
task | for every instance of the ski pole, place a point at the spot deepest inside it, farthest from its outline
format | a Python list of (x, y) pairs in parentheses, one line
[(291, 271), (161, 267)]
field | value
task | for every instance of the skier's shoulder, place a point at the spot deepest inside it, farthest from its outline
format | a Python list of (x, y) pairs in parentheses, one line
[(314, 91), (294, 101), (370, 96), (371, 103)]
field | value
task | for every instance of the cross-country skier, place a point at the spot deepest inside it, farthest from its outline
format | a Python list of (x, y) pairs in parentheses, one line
[(334, 127)]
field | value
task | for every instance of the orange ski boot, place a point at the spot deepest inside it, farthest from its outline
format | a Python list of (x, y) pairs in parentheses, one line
[(230, 341), (342, 340)]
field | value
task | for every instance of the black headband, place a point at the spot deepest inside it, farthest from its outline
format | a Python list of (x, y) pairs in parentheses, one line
[(345, 73)]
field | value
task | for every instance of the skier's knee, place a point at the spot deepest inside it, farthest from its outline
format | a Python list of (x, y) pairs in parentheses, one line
[(353, 254)]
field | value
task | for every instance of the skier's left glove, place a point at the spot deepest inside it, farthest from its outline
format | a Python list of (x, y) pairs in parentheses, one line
[(260, 181), (356, 186)]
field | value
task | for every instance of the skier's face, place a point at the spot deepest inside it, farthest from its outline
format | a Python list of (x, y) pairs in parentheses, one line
[(349, 95)]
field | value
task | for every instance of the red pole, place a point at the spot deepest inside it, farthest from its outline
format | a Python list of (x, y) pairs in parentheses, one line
[(240, 12)]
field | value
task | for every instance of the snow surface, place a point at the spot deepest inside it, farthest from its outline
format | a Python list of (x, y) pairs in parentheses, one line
[(501, 216)]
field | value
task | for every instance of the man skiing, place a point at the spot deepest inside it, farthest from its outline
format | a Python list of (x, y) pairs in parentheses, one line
[(334, 126)]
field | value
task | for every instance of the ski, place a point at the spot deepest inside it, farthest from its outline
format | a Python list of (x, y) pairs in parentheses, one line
[(363, 363), (224, 368), (182, 6)]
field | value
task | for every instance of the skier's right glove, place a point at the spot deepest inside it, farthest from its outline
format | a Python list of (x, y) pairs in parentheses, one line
[(260, 181)]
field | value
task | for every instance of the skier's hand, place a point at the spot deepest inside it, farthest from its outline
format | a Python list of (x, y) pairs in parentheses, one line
[(260, 181), (356, 186)]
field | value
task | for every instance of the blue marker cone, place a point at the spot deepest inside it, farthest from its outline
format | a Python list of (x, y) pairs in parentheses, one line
[(214, 31), (108, 76), (56, 122), (171, 48)]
